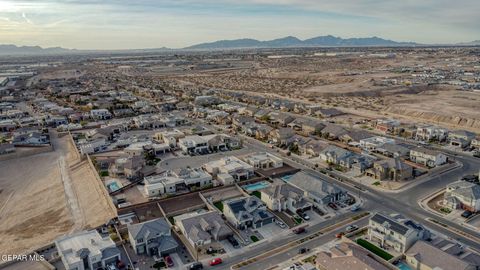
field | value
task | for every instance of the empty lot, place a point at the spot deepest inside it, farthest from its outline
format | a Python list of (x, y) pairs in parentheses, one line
[(41, 198)]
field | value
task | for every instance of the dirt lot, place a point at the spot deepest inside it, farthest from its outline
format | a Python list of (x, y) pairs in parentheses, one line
[(41, 198)]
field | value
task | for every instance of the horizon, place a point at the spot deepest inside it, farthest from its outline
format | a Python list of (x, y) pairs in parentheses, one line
[(126, 24)]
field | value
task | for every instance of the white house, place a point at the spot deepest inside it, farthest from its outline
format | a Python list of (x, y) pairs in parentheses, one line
[(464, 195), (263, 160), (100, 114), (231, 165), (87, 250), (396, 233), (427, 157)]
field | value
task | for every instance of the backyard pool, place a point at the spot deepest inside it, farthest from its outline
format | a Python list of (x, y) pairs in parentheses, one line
[(286, 178), (113, 186), (403, 266), (256, 186)]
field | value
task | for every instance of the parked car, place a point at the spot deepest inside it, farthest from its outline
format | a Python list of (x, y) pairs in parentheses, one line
[(195, 266), (467, 214), (303, 250), (305, 216), (299, 230), (355, 208), (216, 261), (352, 228), (333, 206), (339, 235), (233, 241), (168, 261), (280, 224)]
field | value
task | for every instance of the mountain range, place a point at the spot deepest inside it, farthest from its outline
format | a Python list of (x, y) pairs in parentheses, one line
[(290, 41), (286, 42)]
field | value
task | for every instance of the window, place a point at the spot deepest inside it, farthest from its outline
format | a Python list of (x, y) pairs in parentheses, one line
[(140, 240)]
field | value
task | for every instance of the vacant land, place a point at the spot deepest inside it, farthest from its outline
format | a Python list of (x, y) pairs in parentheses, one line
[(41, 198)]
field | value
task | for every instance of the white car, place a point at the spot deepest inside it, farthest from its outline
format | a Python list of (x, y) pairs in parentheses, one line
[(351, 228)]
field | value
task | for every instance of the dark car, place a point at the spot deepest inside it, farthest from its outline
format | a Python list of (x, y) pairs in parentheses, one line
[(233, 241), (195, 266), (299, 230), (467, 214), (303, 250)]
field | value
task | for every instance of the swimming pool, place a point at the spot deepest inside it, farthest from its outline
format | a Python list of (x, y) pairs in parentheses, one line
[(286, 178), (403, 266), (113, 186), (256, 186)]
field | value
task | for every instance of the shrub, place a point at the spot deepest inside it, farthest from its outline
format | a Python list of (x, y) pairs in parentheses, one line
[(374, 249)]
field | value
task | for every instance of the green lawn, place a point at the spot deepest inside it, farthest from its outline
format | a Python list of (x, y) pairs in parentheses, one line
[(257, 194), (374, 249), (254, 238), (219, 205)]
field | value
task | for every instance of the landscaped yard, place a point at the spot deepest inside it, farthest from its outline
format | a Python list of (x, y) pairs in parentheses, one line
[(374, 249), (219, 205), (257, 194), (254, 238)]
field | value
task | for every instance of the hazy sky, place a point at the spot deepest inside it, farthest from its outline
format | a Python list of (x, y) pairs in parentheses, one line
[(122, 24)]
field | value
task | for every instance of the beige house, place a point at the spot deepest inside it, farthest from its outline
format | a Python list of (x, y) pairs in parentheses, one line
[(425, 256), (390, 169)]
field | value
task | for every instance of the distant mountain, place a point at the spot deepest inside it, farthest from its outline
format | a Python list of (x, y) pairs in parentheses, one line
[(321, 41), (31, 50), (471, 43)]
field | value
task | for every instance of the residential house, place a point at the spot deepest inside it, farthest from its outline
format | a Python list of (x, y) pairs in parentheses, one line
[(373, 143), (281, 136), (87, 250), (92, 146), (426, 256), (335, 155), (333, 132), (317, 190), (386, 126), (171, 182), (280, 119), (285, 197), (247, 212), (262, 116), (231, 165), (327, 113), (431, 133), (202, 229), (461, 138), (463, 195), (390, 169), (355, 136), (31, 138), (152, 237), (129, 167), (193, 145), (314, 148), (239, 121), (427, 157), (393, 150), (262, 132), (263, 160), (100, 114), (311, 127), (170, 137), (348, 256), (476, 142), (250, 111), (397, 233)]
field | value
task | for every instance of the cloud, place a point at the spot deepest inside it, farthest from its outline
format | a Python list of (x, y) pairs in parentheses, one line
[(178, 23)]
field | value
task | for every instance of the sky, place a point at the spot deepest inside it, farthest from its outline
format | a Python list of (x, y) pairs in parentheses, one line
[(135, 24)]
